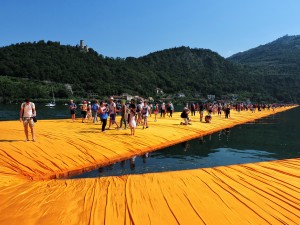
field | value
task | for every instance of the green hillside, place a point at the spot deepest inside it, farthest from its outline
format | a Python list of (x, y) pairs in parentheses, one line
[(280, 57), (33, 69)]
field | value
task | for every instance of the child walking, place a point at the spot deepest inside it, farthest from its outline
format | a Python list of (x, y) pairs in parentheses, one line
[(132, 123)]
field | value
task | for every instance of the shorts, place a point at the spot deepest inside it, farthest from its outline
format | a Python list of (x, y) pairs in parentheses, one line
[(83, 113), (112, 117), (72, 112), (28, 121), (145, 117)]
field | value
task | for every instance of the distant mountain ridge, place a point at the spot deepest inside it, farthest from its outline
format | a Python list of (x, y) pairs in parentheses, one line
[(194, 72), (280, 57)]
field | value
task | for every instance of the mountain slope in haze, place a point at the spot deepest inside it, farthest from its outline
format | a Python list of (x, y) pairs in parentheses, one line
[(280, 57)]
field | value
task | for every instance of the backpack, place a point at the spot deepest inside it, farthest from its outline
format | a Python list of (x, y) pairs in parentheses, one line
[(104, 116), (138, 109), (193, 107), (95, 107)]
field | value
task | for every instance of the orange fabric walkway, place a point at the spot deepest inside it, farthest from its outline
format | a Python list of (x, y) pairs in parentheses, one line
[(261, 193)]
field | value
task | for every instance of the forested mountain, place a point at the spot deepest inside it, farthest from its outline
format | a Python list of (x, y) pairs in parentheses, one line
[(33, 69), (280, 57)]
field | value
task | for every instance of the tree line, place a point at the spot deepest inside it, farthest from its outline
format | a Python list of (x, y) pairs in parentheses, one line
[(30, 69)]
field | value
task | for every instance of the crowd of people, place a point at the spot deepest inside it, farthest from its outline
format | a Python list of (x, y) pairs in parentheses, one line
[(136, 113), (132, 114)]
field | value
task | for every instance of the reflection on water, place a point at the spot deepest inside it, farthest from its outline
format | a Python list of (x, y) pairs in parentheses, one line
[(159, 162)]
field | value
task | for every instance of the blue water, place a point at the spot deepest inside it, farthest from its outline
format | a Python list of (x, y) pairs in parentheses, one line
[(270, 138)]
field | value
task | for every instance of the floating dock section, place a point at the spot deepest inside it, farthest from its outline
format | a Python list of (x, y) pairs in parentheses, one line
[(258, 193)]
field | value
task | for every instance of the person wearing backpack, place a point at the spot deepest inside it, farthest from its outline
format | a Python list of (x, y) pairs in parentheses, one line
[(171, 109), (95, 108), (27, 112), (124, 114), (185, 116), (145, 114)]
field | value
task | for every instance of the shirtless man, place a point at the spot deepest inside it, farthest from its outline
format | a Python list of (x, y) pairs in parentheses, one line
[(27, 112)]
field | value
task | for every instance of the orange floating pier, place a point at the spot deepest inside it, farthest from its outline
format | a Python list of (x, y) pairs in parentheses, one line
[(258, 193)]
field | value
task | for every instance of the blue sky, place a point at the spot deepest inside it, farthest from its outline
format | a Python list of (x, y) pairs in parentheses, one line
[(123, 28)]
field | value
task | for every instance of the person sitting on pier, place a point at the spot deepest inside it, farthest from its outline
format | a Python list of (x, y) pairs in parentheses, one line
[(185, 116), (208, 118)]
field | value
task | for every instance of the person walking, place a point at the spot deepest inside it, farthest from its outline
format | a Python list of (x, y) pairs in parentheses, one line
[(201, 111), (112, 113), (95, 108), (132, 108), (145, 114), (171, 109), (72, 107), (84, 111), (193, 109), (155, 108), (89, 111), (103, 113), (124, 115), (27, 112), (163, 110), (132, 122)]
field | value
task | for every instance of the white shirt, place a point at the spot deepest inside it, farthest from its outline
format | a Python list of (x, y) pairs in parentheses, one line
[(145, 108), (28, 109), (112, 107)]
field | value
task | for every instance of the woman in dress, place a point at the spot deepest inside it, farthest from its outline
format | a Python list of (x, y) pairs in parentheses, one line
[(132, 122)]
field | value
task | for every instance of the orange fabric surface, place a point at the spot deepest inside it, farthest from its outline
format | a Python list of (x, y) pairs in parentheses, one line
[(261, 193)]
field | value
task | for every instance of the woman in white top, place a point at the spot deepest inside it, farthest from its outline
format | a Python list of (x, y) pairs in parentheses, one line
[(132, 123), (145, 113)]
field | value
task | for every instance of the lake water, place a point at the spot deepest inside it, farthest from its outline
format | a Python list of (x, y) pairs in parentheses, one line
[(270, 138)]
